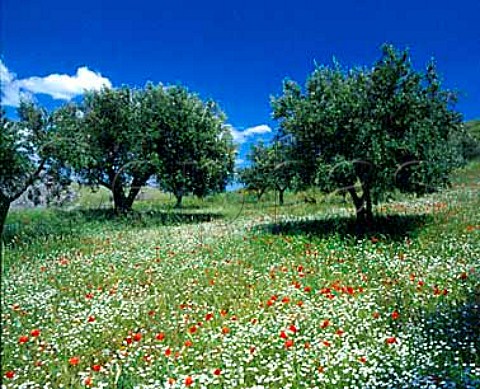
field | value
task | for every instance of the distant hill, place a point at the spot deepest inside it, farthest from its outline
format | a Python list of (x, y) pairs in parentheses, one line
[(471, 142), (473, 127)]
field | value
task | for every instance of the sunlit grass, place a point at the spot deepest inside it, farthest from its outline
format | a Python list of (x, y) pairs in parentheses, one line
[(259, 296)]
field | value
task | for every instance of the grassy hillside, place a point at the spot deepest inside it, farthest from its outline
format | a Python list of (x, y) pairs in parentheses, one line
[(231, 293), (473, 126)]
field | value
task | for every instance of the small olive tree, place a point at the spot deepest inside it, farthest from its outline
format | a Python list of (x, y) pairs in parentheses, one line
[(271, 167)]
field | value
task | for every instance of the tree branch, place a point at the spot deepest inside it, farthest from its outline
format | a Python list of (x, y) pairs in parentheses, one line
[(28, 182)]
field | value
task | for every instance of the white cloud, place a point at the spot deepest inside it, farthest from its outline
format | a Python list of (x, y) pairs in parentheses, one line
[(58, 86), (241, 136), (10, 89)]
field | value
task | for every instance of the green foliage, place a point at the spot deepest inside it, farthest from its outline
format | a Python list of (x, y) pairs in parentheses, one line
[(193, 144), (21, 150), (389, 127), (106, 143), (272, 167), (119, 138), (24, 153)]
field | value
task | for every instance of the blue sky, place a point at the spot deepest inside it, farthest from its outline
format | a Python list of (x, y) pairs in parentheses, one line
[(236, 52)]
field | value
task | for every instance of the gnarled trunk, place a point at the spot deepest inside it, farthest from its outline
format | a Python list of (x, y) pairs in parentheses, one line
[(363, 207), (281, 191), (4, 207), (121, 203), (178, 196)]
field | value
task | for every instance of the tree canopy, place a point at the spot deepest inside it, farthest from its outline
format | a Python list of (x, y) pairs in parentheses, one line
[(371, 131), (107, 143), (192, 142), (25, 146), (271, 167), (120, 138)]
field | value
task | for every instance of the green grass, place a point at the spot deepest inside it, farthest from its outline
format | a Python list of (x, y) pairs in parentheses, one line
[(261, 294)]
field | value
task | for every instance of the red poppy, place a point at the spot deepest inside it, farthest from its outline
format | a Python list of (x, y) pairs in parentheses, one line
[(307, 345), (299, 303), (325, 324), (289, 343), (89, 296), (285, 300), (223, 312), (188, 343), (74, 361), (283, 335), (35, 332), (23, 339), (192, 329), (168, 352), (188, 381), (151, 313), (96, 367), (91, 319), (293, 329), (137, 337), (225, 330), (129, 340), (362, 359), (10, 374), (252, 350), (307, 289), (391, 340), (160, 336), (326, 343), (395, 315), (339, 332), (208, 316), (88, 381), (376, 315), (217, 372), (270, 303)]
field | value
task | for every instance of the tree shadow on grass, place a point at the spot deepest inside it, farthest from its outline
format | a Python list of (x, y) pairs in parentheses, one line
[(388, 227), (456, 327), (146, 218), (61, 223)]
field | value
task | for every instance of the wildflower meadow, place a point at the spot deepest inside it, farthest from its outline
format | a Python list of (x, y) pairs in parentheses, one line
[(253, 296)]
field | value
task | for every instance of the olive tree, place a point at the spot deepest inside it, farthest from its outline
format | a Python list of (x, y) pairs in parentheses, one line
[(271, 167), (194, 146), (25, 146), (107, 144), (371, 131)]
